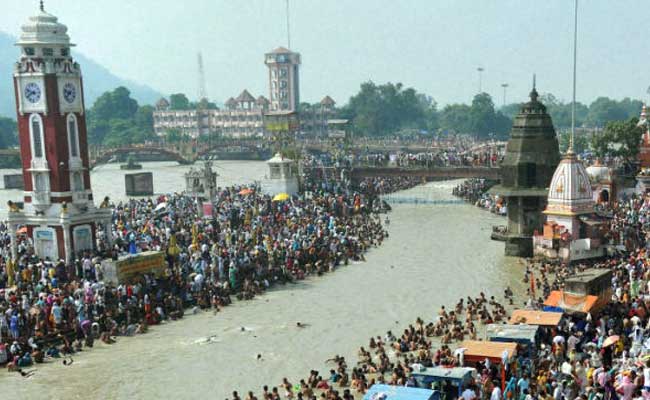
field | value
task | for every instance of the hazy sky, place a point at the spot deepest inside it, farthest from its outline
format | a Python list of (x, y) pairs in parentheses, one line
[(432, 45)]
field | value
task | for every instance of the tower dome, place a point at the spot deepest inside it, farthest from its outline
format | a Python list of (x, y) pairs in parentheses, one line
[(570, 191), (44, 29)]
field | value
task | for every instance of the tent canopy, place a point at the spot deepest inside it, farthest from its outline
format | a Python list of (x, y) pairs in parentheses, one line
[(387, 392), (478, 351), (531, 317)]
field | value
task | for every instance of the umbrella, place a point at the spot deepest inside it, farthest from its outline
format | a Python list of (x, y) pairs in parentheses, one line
[(611, 340), (22, 230), (160, 206), (245, 192), (281, 197)]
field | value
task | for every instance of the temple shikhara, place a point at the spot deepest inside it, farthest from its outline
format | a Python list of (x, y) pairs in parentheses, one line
[(531, 156), (59, 214), (572, 230)]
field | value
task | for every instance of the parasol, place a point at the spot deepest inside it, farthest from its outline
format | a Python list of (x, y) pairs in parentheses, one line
[(281, 197), (611, 340), (246, 191), (160, 206)]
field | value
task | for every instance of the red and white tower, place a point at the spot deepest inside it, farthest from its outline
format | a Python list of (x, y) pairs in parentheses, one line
[(59, 212)]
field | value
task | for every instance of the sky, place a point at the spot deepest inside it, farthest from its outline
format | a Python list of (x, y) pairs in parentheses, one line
[(434, 46)]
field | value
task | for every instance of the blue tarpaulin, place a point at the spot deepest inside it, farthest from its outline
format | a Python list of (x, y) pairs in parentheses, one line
[(387, 392)]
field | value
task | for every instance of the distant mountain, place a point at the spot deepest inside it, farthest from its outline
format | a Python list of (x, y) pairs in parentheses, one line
[(97, 79)]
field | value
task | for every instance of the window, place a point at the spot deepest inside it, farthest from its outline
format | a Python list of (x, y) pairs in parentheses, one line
[(40, 184), (283, 94), (29, 51), (47, 52), (37, 136), (283, 84), (73, 137), (65, 52), (77, 182), (283, 72), (274, 73)]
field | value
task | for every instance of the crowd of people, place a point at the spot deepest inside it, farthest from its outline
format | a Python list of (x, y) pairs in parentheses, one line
[(603, 354), (52, 309), (475, 191)]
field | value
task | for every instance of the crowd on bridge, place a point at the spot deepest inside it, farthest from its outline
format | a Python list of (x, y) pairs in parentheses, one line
[(50, 309), (443, 158)]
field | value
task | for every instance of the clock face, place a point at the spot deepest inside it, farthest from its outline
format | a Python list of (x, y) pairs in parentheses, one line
[(32, 92), (69, 92)]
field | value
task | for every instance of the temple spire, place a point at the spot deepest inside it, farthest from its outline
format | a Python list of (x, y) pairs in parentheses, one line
[(534, 78), (533, 93)]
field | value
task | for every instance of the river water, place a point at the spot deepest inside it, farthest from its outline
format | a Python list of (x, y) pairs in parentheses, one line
[(436, 254)]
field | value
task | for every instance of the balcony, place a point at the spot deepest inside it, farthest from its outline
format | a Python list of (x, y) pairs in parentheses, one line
[(79, 197), (41, 200)]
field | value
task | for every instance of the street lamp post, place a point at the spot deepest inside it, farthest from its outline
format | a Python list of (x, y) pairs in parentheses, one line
[(480, 79), (504, 86), (575, 52)]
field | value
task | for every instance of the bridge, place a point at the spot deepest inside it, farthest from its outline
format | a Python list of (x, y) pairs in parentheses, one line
[(431, 172), (140, 153)]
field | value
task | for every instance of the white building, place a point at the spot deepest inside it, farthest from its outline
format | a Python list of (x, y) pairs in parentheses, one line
[(242, 117)]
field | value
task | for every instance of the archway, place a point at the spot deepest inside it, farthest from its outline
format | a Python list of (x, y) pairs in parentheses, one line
[(604, 196)]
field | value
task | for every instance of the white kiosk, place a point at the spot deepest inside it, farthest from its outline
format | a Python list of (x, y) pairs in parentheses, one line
[(281, 178)]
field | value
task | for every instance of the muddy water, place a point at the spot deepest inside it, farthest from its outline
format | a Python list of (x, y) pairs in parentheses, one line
[(436, 253)]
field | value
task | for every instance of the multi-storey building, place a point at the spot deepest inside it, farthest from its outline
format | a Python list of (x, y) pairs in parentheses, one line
[(284, 79), (242, 117)]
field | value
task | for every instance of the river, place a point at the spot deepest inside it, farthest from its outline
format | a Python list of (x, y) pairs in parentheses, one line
[(436, 254)]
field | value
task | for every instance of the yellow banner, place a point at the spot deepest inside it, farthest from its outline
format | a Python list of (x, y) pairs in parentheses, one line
[(147, 262)]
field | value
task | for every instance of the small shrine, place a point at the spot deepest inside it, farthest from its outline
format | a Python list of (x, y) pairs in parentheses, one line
[(572, 230), (201, 182), (603, 183), (282, 176)]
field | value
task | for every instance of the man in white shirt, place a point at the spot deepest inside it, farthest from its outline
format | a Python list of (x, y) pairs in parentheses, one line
[(469, 394), (496, 393)]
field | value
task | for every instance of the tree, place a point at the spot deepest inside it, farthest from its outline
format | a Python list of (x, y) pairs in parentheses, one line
[(379, 110), (8, 133), (619, 139), (455, 118), (144, 122), (603, 109), (179, 101), (482, 115), (511, 110), (580, 142), (116, 104), (112, 105)]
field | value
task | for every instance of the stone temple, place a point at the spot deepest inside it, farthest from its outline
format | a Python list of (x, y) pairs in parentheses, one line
[(532, 154)]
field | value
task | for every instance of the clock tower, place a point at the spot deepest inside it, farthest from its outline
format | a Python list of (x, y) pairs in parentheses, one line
[(59, 213)]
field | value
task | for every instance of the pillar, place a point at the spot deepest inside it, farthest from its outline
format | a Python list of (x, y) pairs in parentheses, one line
[(108, 233), (14, 243), (67, 243)]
